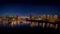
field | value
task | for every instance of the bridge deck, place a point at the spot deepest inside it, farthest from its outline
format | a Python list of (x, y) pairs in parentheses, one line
[(44, 21)]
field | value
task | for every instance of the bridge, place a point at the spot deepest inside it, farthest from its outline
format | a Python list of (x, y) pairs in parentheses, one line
[(44, 21), (55, 24)]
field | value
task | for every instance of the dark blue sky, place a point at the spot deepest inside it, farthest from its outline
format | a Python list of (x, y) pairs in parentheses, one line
[(24, 9)]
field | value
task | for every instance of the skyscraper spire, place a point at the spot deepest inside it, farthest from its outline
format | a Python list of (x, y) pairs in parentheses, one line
[(30, 15)]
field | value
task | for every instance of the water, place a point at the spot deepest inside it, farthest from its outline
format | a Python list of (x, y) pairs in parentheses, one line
[(27, 25)]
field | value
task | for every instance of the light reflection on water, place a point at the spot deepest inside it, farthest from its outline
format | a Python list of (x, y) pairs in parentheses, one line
[(18, 24), (27, 24)]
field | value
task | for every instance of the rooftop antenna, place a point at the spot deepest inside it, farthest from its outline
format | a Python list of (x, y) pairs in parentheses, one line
[(31, 14)]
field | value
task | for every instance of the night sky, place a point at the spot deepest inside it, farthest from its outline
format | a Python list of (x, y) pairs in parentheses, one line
[(25, 8)]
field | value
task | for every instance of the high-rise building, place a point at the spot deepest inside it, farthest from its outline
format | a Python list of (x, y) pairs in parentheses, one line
[(51, 18), (48, 17), (55, 17), (39, 18), (43, 16), (0, 18), (31, 16)]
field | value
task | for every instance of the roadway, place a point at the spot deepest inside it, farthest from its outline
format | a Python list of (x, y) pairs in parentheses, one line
[(44, 21)]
